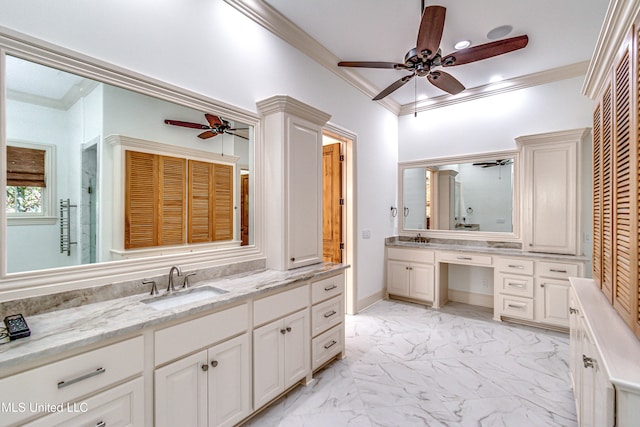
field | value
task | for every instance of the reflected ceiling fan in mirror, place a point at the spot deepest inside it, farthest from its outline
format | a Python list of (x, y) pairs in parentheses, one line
[(502, 162), (426, 56), (215, 127)]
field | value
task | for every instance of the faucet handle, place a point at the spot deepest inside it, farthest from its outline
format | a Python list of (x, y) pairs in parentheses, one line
[(186, 279), (154, 287)]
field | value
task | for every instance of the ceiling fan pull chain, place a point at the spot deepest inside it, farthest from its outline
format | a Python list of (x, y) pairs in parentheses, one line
[(415, 98)]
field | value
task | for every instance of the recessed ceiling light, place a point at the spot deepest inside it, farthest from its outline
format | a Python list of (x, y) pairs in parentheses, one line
[(499, 32), (463, 44)]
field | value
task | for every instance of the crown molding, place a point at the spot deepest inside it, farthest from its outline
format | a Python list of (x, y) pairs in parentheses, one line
[(522, 82), (286, 104), (617, 23)]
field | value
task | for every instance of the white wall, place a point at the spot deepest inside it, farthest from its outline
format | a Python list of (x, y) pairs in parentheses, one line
[(493, 123), (210, 48)]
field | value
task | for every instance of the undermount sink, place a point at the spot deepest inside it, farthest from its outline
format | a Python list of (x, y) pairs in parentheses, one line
[(183, 297)]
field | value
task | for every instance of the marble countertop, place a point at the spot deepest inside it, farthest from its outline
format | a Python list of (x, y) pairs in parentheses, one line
[(485, 250), (63, 330)]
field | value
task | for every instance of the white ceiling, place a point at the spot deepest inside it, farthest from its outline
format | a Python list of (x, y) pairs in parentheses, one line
[(561, 33)]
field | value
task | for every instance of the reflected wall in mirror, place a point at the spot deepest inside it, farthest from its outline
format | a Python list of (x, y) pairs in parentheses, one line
[(473, 195), (65, 189)]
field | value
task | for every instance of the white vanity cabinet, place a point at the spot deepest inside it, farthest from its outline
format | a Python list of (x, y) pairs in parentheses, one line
[(293, 171), (604, 360), (411, 274), (67, 382), (551, 191), (534, 290), (281, 343), (327, 319), (211, 387)]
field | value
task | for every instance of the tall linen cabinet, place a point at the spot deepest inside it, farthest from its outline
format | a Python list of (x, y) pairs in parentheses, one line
[(292, 135)]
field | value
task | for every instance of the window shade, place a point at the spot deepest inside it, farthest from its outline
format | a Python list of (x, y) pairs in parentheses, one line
[(25, 167)]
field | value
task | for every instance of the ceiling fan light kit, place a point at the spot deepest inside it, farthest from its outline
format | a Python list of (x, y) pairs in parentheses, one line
[(427, 54)]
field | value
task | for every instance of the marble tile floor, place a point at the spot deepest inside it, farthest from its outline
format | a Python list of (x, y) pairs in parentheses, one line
[(409, 365)]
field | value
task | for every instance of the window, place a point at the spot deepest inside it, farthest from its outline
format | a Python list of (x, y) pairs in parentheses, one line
[(29, 195)]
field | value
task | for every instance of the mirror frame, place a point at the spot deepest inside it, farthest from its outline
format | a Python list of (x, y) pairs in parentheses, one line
[(47, 281), (513, 236)]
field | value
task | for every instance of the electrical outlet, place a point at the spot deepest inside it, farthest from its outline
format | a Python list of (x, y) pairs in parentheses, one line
[(366, 234)]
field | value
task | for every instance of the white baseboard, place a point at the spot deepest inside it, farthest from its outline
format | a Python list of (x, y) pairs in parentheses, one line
[(482, 300), (370, 300)]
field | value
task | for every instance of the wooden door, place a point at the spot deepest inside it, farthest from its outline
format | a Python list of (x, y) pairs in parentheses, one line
[(244, 209), (331, 203)]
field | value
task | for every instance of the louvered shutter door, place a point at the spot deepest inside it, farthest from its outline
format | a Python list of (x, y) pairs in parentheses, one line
[(171, 212), (223, 222), (607, 197), (597, 195), (141, 195), (200, 208), (622, 267)]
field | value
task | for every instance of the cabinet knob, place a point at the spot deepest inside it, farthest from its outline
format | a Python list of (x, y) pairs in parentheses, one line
[(283, 331), (214, 363), (293, 259), (542, 285), (588, 362), (288, 328), (205, 367)]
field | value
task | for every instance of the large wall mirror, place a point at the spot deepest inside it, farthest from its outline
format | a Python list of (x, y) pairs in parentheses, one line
[(464, 197), (68, 202)]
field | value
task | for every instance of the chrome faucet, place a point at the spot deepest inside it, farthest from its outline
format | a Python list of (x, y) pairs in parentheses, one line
[(171, 288)]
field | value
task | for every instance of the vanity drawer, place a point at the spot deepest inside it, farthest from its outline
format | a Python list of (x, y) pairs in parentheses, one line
[(279, 305), (120, 406), (412, 255), (326, 315), (514, 265), (519, 307), (557, 270), (71, 378), (327, 288), (515, 285), (464, 258), (184, 338), (326, 346)]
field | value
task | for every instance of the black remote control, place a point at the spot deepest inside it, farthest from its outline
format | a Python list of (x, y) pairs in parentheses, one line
[(16, 326)]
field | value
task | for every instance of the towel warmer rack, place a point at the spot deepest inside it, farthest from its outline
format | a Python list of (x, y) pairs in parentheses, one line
[(65, 226)]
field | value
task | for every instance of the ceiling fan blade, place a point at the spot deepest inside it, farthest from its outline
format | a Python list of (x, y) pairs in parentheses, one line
[(186, 124), (214, 121), (207, 134), (393, 87), (430, 32), (371, 64), (236, 134), (445, 81), (484, 51)]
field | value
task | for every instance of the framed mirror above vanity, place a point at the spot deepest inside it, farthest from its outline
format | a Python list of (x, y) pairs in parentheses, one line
[(90, 165), (473, 197)]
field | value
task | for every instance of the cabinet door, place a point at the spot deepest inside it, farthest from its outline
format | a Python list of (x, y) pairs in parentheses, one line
[(575, 345), (296, 347), (304, 211), (229, 382), (181, 392), (268, 362), (398, 278), (552, 305), (422, 281), (551, 197)]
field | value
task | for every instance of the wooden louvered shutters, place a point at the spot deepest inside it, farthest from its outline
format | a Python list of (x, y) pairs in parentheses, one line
[(154, 200), (157, 212), (210, 202), (622, 187), (616, 199)]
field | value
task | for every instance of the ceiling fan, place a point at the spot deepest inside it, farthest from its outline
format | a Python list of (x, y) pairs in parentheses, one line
[(215, 127), (501, 162), (421, 60)]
